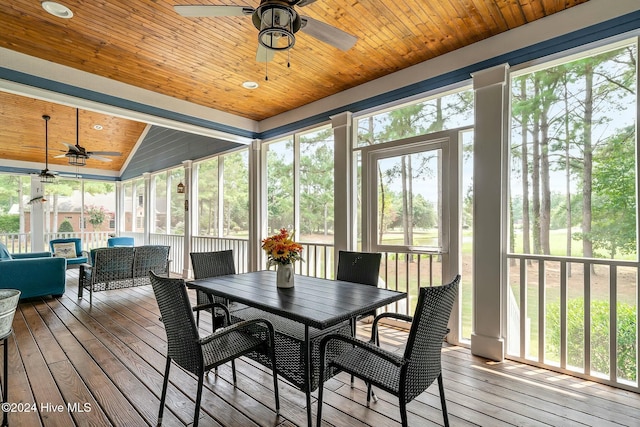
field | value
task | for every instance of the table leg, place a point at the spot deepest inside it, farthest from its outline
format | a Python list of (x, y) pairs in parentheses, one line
[(80, 287), (307, 374)]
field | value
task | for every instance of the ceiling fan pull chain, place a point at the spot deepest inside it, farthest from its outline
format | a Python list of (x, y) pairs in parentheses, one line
[(266, 71), (288, 59)]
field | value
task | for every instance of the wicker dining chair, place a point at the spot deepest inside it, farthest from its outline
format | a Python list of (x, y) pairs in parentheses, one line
[(198, 355), (408, 375), (359, 267), (362, 268), (211, 264)]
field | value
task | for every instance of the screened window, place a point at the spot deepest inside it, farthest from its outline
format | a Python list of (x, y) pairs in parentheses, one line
[(280, 185), (208, 198), (316, 186), (573, 194), (442, 112), (235, 206)]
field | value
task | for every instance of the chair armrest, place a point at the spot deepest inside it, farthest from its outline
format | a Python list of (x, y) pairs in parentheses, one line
[(374, 329), (32, 255), (212, 305), (365, 345), (84, 268), (241, 325)]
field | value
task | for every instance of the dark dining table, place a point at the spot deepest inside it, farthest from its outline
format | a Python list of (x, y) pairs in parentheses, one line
[(301, 316)]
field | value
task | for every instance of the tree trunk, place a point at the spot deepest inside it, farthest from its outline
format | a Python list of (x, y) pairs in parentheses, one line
[(545, 186), (535, 174), (526, 220), (405, 200), (326, 219), (587, 245), (382, 207), (567, 166)]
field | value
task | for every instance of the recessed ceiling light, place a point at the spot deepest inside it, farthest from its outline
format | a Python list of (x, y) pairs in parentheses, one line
[(97, 127), (57, 9), (250, 85)]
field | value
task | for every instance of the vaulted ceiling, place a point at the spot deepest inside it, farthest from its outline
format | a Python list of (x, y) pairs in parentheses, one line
[(205, 60)]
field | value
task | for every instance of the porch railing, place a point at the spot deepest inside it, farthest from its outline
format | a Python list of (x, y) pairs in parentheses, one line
[(240, 248), (400, 271), (17, 243), (90, 239), (575, 315)]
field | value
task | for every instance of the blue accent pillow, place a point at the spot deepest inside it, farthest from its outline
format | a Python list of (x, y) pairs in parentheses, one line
[(4, 253)]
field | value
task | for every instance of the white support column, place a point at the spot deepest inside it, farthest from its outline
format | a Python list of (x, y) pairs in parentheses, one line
[(167, 205), (120, 214), (147, 206), (256, 207), (343, 212), (490, 158), (37, 216), (188, 197)]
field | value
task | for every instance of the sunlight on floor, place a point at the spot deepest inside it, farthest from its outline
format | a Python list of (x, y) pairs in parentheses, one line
[(532, 383)]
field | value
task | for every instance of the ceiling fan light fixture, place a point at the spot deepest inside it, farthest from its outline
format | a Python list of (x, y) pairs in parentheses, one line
[(276, 23), (57, 9), (77, 160), (45, 176), (78, 157)]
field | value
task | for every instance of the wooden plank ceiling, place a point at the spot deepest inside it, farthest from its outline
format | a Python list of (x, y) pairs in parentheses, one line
[(22, 132), (206, 60)]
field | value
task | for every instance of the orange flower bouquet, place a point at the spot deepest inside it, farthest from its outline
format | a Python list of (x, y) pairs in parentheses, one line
[(281, 249)]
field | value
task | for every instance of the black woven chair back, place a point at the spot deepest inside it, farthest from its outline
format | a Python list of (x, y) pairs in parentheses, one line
[(151, 257), (424, 344), (175, 309), (359, 267), (111, 264), (212, 264)]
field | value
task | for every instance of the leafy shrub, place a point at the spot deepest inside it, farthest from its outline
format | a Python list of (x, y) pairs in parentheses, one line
[(65, 227), (626, 336), (9, 223)]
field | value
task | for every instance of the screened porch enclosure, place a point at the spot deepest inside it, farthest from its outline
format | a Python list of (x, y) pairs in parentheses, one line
[(534, 173)]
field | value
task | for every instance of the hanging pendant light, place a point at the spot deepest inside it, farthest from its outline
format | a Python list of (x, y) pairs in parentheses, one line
[(77, 158), (46, 176)]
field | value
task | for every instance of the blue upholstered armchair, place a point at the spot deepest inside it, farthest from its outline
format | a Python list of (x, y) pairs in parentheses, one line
[(114, 242), (69, 248), (34, 274)]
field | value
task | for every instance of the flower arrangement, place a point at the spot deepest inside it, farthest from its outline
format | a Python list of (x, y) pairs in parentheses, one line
[(281, 249)]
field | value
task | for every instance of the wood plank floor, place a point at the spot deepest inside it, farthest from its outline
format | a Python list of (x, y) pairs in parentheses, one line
[(75, 365)]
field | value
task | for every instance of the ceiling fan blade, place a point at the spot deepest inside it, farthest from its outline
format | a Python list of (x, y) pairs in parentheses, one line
[(263, 54), (104, 153), (59, 156), (71, 147), (328, 34), (103, 159), (193, 11), (303, 3)]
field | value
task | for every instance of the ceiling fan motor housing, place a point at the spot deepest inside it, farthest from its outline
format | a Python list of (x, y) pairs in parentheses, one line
[(276, 20)]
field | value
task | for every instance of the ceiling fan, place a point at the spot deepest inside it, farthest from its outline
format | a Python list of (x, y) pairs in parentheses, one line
[(46, 175), (277, 22), (78, 155)]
